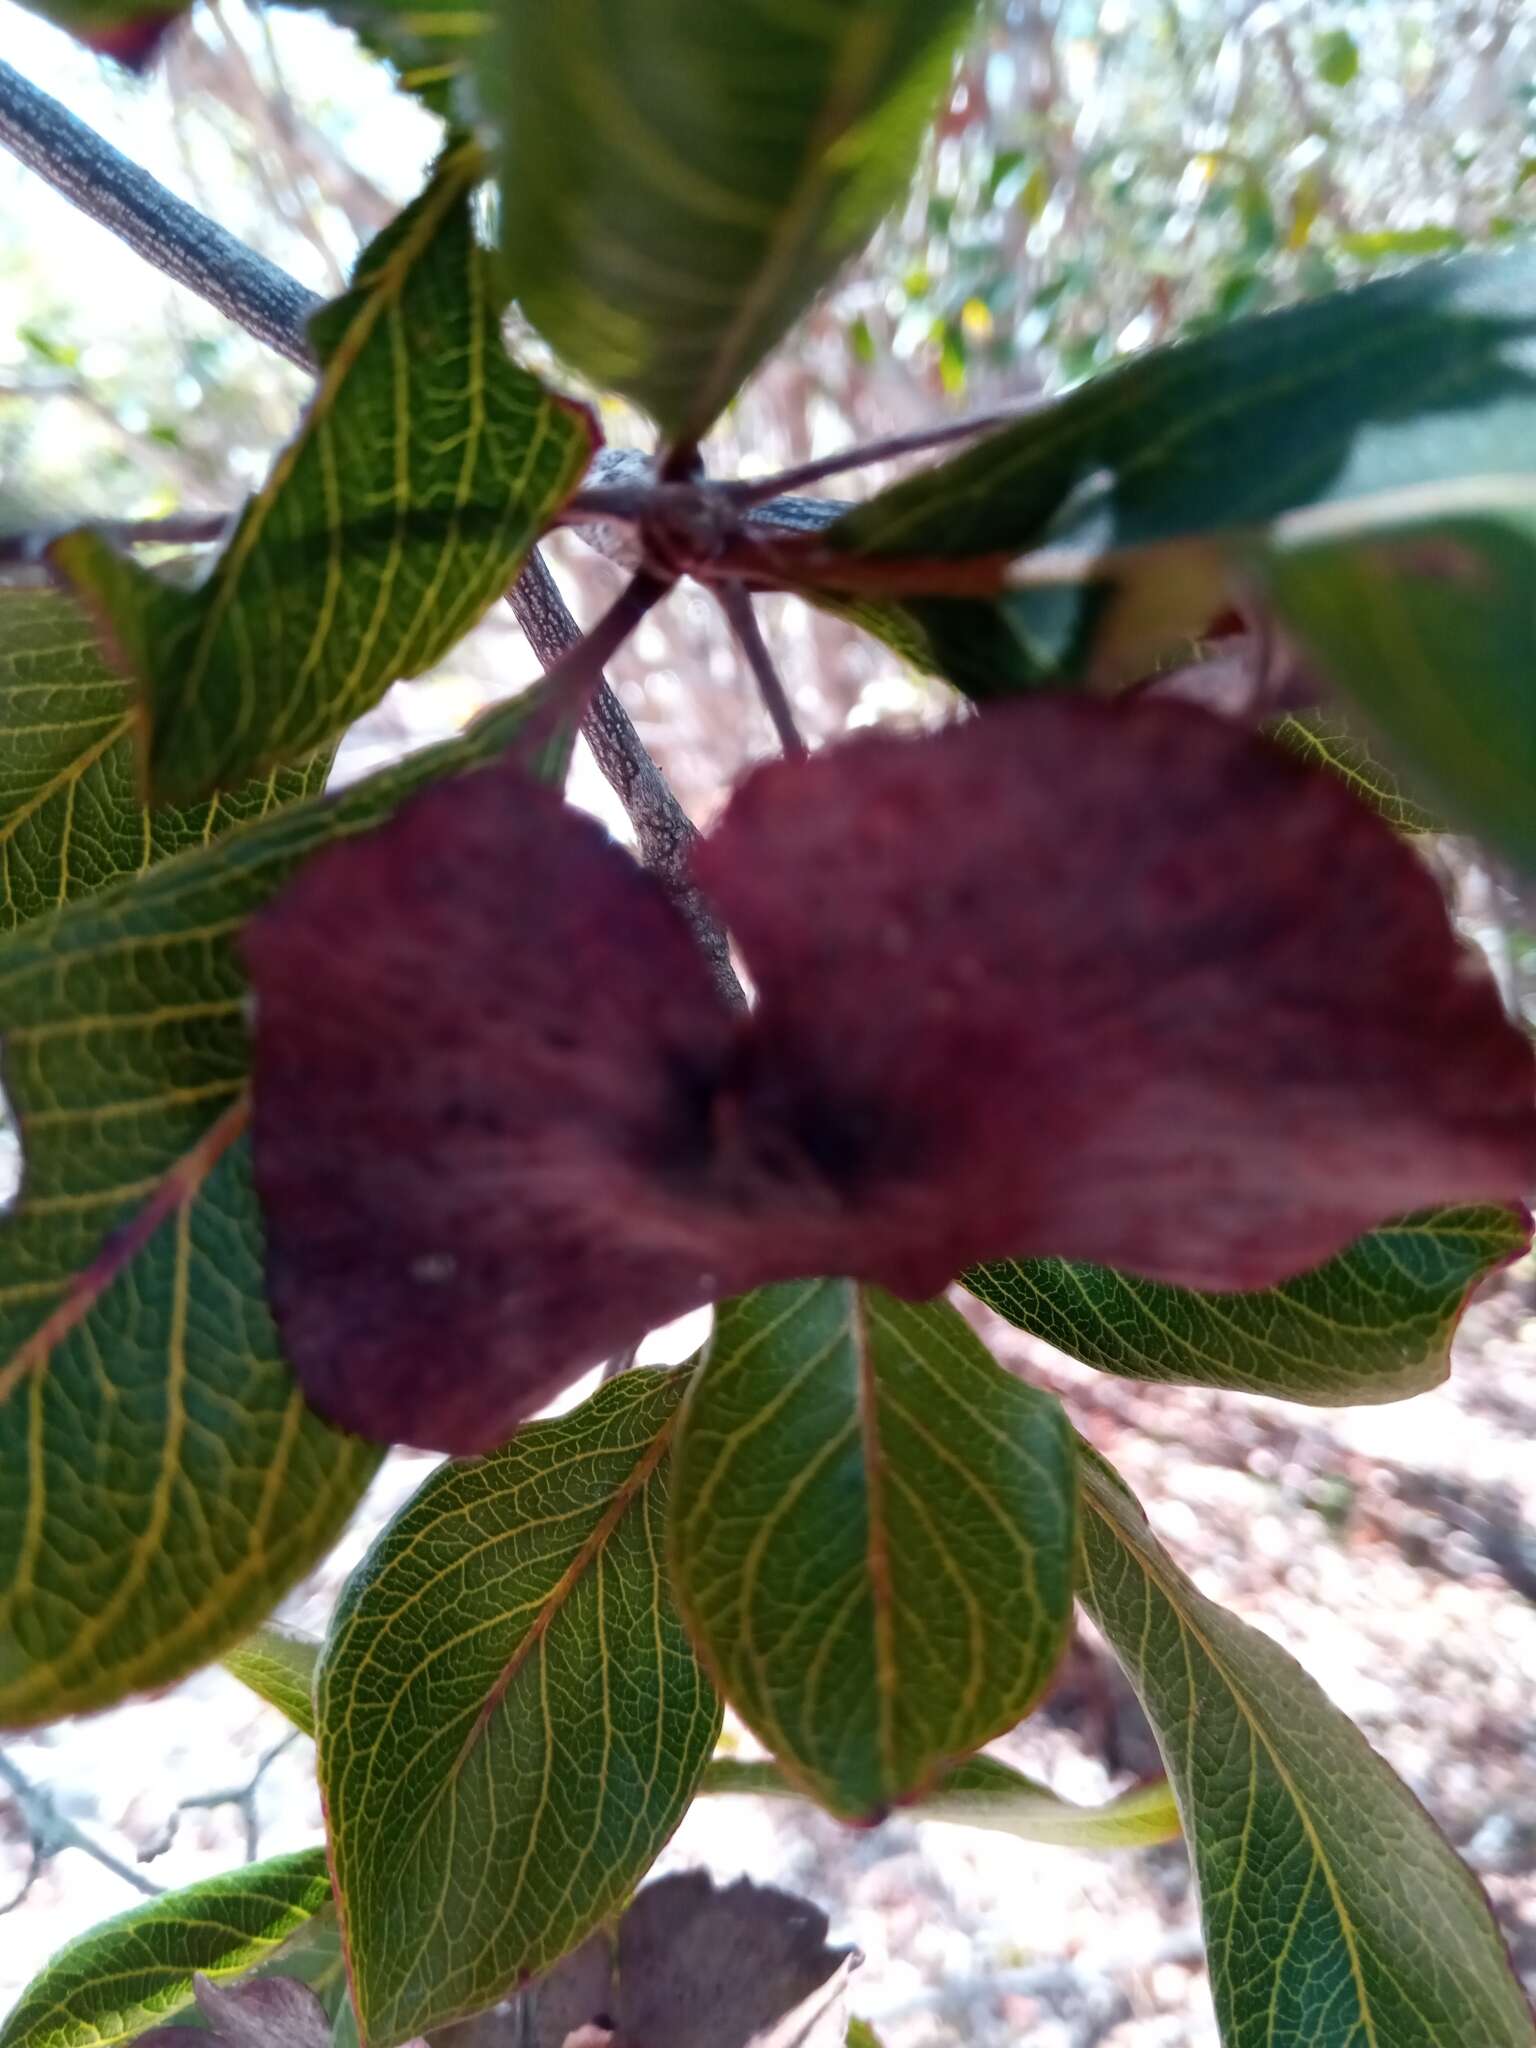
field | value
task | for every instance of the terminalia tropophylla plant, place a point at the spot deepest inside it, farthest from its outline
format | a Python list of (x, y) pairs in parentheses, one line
[(379, 1115), (1117, 983)]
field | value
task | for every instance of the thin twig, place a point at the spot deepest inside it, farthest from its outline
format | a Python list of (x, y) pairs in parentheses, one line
[(760, 490), (736, 602), (663, 830), (242, 1797), (181, 529), (51, 1833)]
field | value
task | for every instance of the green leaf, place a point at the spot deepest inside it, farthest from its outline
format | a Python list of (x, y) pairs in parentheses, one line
[(1328, 740), (1335, 1914), (425, 468), (680, 178), (1337, 56), (872, 1536), (278, 1664), (1426, 621), (162, 1483), (71, 816), (136, 1971), (983, 1792), (511, 1718), (1424, 378), (1374, 1324), (1425, 241)]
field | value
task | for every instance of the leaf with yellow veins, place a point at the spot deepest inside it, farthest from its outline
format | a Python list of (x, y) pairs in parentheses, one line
[(72, 818), (426, 466), (162, 1481), (1335, 1913), (511, 1719)]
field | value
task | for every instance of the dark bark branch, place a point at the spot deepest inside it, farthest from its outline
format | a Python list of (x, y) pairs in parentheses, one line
[(163, 229)]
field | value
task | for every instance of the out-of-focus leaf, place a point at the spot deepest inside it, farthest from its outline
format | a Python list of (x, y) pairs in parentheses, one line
[(1334, 1911), (1418, 379), (262, 2012), (135, 1971), (425, 467), (1426, 241), (1374, 1324), (71, 815), (511, 1718), (278, 1664), (741, 1966), (1426, 621), (1336, 56), (872, 1537), (1248, 1042), (162, 1482), (679, 180), (983, 1792)]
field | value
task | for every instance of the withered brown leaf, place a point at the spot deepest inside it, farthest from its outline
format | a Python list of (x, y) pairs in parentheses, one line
[(689, 1965), (259, 2012), (1120, 983)]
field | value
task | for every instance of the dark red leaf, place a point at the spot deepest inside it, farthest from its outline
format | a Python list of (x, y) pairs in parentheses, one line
[(1116, 983), (1119, 984), (486, 1055), (133, 43)]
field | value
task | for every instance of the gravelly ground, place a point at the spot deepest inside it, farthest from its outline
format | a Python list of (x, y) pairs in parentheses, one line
[(1379, 1545)]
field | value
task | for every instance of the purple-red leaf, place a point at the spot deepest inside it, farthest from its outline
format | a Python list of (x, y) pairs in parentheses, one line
[(260, 2012), (1116, 983)]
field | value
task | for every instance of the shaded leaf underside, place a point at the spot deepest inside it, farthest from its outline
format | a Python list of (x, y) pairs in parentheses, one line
[(135, 1970), (71, 819), (1335, 1914), (679, 180), (424, 468), (1374, 1324), (872, 1538), (160, 1474), (511, 1718)]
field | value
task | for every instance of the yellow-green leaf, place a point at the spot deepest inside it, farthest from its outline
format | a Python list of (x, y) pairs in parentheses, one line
[(984, 1792), (1335, 1913), (511, 1719), (1374, 1324), (71, 815), (872, 1538), (426, 466), (278, 1664), (162, 1483), (135, 1971), (1327, 739), (679, 178)]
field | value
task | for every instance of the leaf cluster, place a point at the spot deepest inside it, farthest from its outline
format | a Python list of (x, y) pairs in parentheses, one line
[(383, 1116)]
